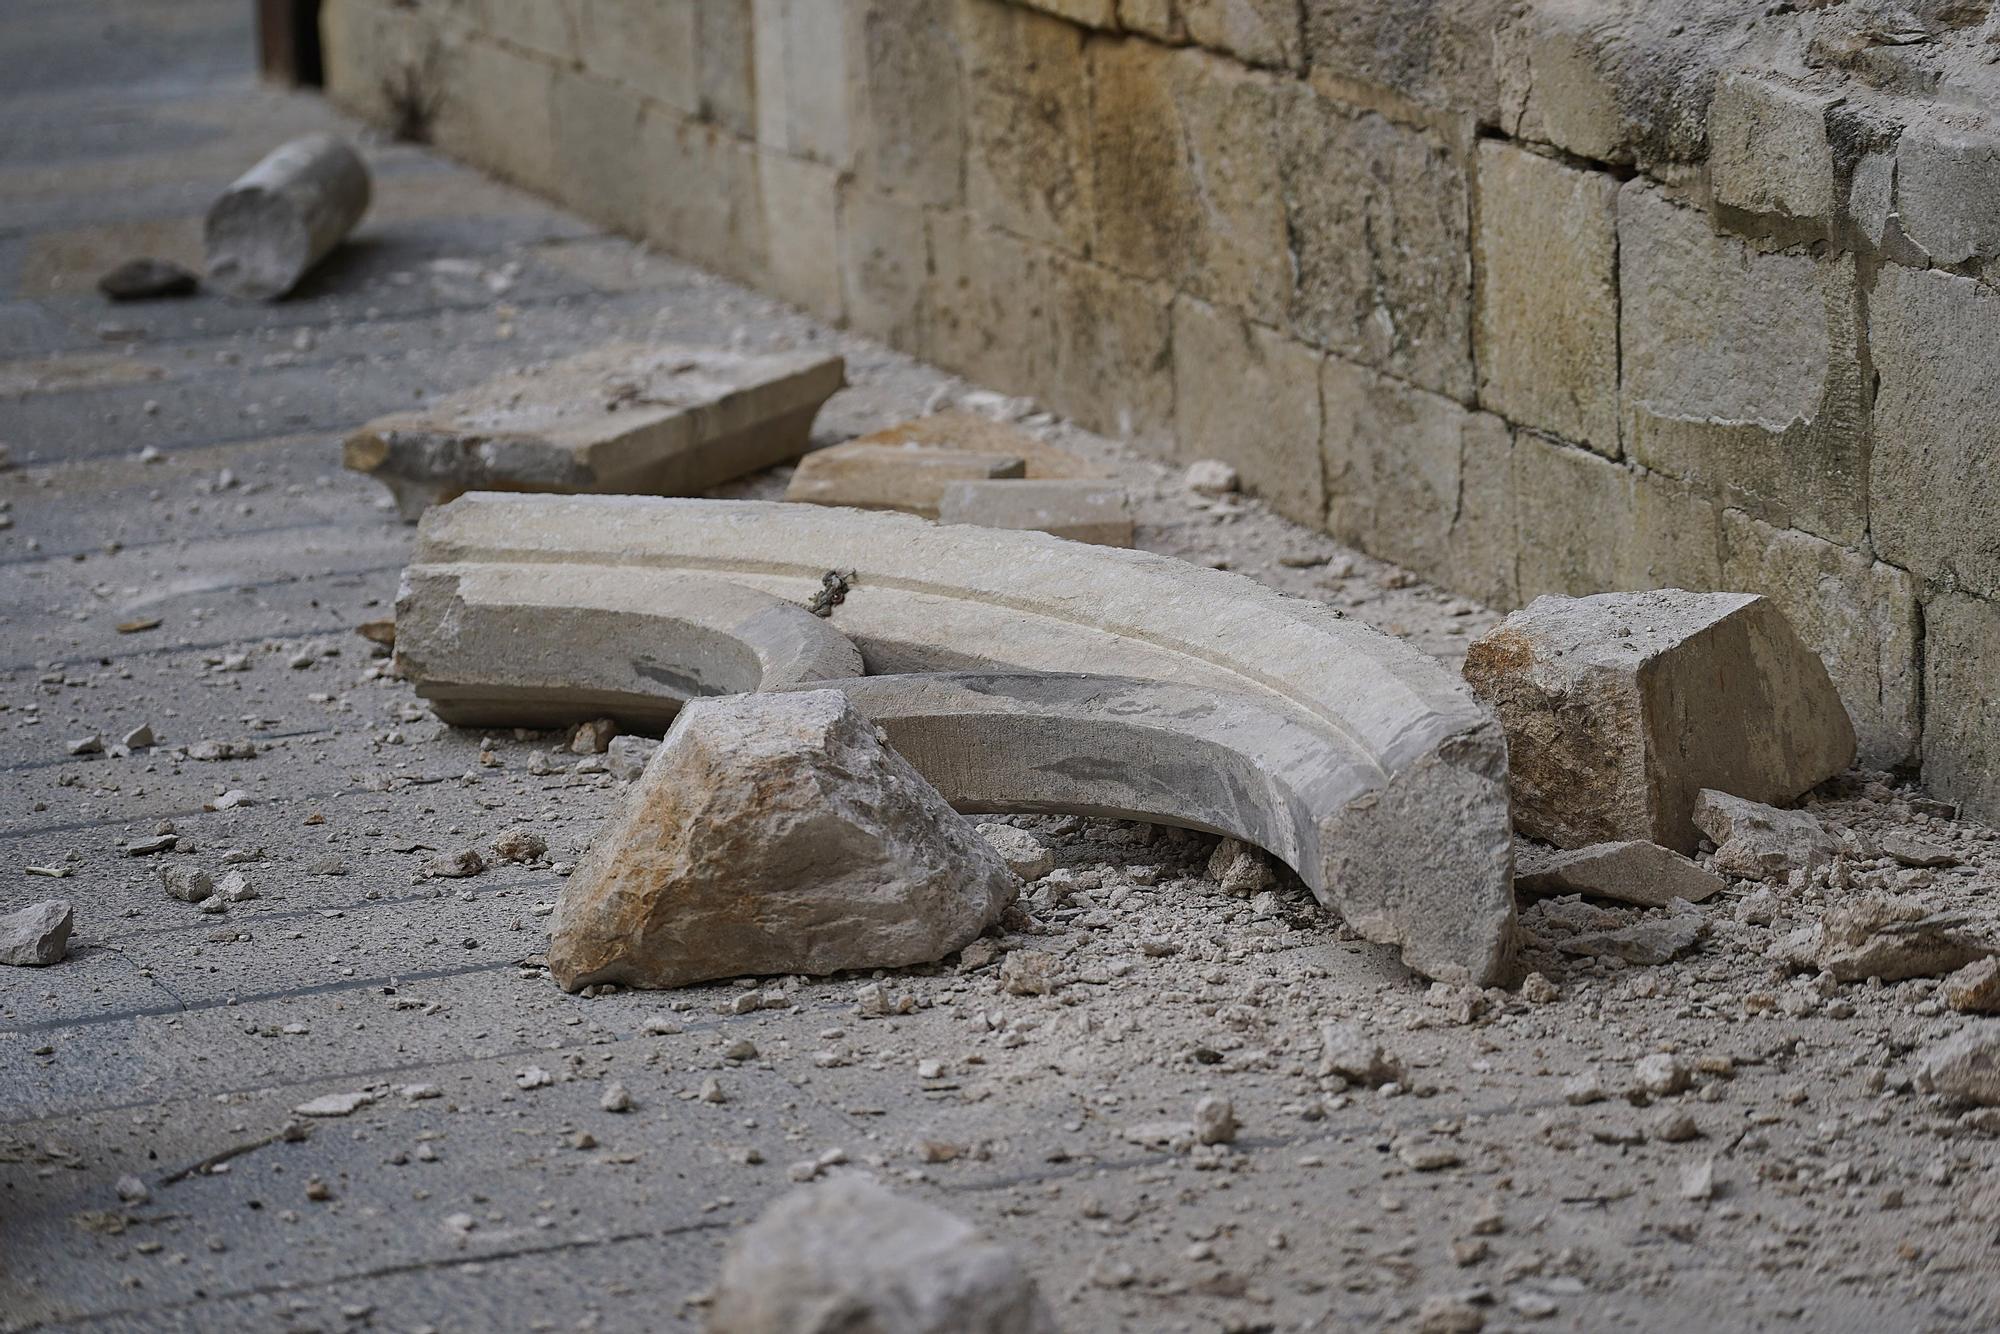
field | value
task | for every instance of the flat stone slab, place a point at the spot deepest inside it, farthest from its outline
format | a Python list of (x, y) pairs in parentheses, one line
[(1080, 510), (626, 417), (956, 429), (912, 478), (1620, 708), (1630, 872), (1393, 805)]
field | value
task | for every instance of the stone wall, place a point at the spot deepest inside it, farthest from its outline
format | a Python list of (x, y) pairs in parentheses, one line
[(1529, 295)]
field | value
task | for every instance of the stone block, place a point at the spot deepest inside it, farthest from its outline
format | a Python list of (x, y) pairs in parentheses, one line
[(807, 54), (648, 46), (1620, 709), (1418, 479), (987, 308), (1250, 396), (906, 477), (620, 418), (1185, 168), (719, 226), (1675, 538), (1859, 615), (546, 27), (1741, 370), (1961, 709), (1629, 872), (726, 65), (910, 135), (1113, 342), (1768, 148), (1082, 511), (955, 429), (1157, 19), (1438, 53), (1547, 325), (1377, 214), (1089, 13), (496, 110), (1573, 512), (1027, 117), (598, 144), (884, 264), (801, 227), (1948, 188), (1933, 489), (1257, 32)]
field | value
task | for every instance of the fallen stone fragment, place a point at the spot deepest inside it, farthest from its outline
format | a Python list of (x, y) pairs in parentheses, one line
[(132, 1190), (1965, 1067), (1661, 1074), (519, 845), (334, 1104), (774, 834), (848, 1255), (138, 625), (213, 751), (1210, 477), (457, 865), (1026, 856), (1629, 872), (1671, 1125), (235, 888), (1030, 973), (973, 433), (592, 737), (911, 478), (147, 280), (283, 216), (627, 417), (138, 738), (186, 883), (1620, 708), (37, 935), (1240, 869), (1758, 842), (1214, 1121), (1347, 1050), (615, 1098), (1698, 1180), (1975, 988), (627, 756), (146, 847), (1655, 940), (89, 745), (1893, 938), (1911, 851), (1584, 1089), (1081, 511), (381, 632)]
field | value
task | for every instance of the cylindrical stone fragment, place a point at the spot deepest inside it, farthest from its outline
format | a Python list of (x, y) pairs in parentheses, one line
[(283, 216)]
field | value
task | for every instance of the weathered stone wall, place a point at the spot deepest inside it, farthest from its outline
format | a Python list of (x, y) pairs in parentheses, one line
[(1530, 295)]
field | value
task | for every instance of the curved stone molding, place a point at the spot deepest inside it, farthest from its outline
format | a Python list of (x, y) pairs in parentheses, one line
[(1369, 768), (498, 645)]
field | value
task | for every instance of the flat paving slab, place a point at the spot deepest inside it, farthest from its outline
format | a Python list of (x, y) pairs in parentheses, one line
[(180, 462)]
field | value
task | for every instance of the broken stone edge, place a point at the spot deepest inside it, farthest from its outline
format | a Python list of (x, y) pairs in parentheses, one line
[(1403, 771)]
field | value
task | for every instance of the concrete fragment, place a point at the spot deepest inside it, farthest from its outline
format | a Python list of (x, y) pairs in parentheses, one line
[(911, 478), (627, 417), (1630, 872), (1895, 937), (1620, 708), (1347, 755), (1965, 1067), (1081, 511), (847, 1254), (1758, 842), (774, 834), (1975, 988), (37, 935), (283, 216)]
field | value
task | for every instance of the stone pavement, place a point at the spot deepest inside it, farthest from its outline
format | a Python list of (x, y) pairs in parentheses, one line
[(179, 461)]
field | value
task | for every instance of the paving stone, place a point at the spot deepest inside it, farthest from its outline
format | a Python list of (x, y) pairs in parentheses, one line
[(623, 417), (1621, 708)]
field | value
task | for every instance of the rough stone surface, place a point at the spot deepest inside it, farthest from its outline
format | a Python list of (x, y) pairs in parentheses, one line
[(1768, 148), (1961, 710), (37, 935), (1754, 841), (1080, 510), (1350, 1051), (1965, 1067), (1026, 856), (1250, 394), (1975, 988), (847, 1254), (1027, 118), (1621, 708), (907, 477), (1894, 938), (1547, 250), (624, 417), (1631, 872), (774, 834)]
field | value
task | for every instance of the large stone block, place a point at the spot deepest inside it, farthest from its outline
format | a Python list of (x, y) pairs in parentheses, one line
[(1158, 19), (1621, 708), (1186, 178), (1859, 615), (807, 53), (1548, 296), (1027, 116), (1250, 395), (1439, 53), (1768, 148), (546, 27), (1416, 478), (1741, 371), (910, 135), (1089, 13), (496, 110), (719, 226), (1258, 32), (884, 263), (647, 45), (725, 34), (598, 138), (801, 202), (1113, 341), (1934, 489), (1961, 708), (909, 477), (1573, 511), (1377, 215), (1948, 187), (987, 307)]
